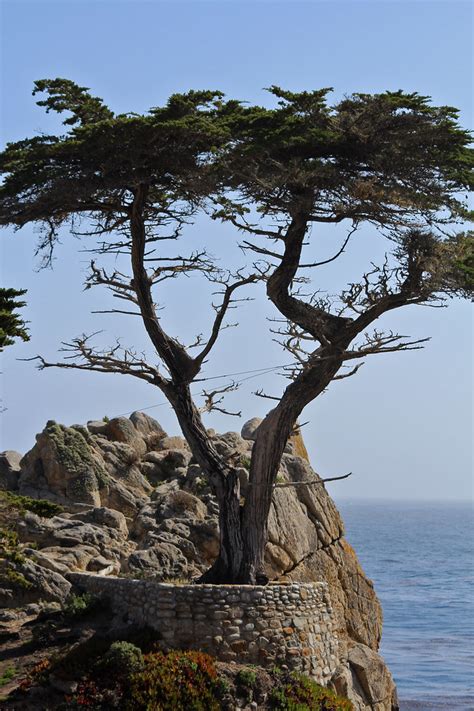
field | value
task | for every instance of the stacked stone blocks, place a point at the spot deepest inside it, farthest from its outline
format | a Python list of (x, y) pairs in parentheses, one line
[(270, 625)]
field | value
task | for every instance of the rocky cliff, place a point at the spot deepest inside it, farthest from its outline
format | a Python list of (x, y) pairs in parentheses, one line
[(135, 503)]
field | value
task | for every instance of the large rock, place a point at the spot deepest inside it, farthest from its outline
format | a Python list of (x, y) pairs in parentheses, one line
[(249, 430), (63, 467), (121, 429), (25, 582), (9, 469), (63, 534), (365, 678), (108, 518), (146, 425), (71, 465)]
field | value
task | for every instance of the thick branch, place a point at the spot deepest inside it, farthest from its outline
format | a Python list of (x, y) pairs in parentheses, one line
[(321, 325), (181, 366)]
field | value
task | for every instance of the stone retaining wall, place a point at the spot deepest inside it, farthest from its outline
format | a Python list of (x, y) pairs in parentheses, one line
[(272, 625)]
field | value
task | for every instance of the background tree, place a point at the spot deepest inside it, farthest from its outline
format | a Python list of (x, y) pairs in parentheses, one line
[(11, 324), (389, 160)]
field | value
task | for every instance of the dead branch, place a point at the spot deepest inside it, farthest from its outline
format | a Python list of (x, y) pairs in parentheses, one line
[(227, 301), (382, 343), (352, 372), (260, 393), (212, 400), (338, 254), (102, 361), (317, 482)]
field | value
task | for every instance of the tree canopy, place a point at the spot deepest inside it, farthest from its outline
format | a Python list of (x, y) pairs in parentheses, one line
[(131, 182)]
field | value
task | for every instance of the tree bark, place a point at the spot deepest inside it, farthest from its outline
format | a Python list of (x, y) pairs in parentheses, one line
[(272, 436), (224, 481)]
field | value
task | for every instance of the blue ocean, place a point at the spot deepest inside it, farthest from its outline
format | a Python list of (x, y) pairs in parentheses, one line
[(420, 557)]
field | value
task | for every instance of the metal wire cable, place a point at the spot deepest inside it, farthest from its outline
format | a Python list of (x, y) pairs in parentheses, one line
[(255, 373)]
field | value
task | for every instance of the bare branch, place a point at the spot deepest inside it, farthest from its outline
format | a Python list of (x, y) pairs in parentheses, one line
[(352, 372), (116, 311), (260, 250), (310, 482), (103, 361), (212, 401), (383, 343), (260, 393), (222, 310)]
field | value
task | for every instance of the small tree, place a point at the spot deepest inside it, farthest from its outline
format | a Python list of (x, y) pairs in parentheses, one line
[(391, 160), (11, 324)]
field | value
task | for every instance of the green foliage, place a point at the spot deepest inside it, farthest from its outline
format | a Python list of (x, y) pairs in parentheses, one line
[(65, 95), (177, 681), (17, 579), (246, 677), (457, 258), (14, 556), (123, 658), (245, 462), (300, 693), (8, 538), (10, 549), (103, 157), (41, 507), (80, 605), (11, 325), (380, 157), (8, 675)]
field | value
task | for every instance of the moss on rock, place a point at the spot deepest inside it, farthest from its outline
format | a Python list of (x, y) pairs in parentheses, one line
[(74, 454)]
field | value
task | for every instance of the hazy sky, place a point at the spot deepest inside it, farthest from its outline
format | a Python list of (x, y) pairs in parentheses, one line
[(403, 424)]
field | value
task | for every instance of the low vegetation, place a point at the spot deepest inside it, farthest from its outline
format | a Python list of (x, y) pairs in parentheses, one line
[(21, 504), (80, 605), (135, 674), (7, 676)]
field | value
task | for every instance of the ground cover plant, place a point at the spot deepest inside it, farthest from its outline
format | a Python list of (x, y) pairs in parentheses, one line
[(124, 675)]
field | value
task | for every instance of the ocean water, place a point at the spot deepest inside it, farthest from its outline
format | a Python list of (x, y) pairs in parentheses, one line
[(420, 557)]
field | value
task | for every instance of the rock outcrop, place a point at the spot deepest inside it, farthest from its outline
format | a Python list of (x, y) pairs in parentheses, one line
[(135, 503)]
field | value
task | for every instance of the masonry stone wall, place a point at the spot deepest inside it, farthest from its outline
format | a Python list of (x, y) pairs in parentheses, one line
[(266, 625)]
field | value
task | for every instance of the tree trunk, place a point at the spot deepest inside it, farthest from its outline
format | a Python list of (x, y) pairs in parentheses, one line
[(224, 481), (272, 436)]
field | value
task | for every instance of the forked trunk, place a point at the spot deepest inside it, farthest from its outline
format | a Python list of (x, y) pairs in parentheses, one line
[(243, 530)]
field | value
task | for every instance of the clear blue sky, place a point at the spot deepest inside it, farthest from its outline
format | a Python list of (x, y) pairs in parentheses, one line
[(403, 424)]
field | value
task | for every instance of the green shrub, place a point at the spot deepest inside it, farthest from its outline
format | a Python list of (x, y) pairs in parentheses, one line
[(14, 556), (245, 462), (7, 676), (300, 693), (13, 577), (41, 507), (177, 681), (247, 678), (123, 658), (10, 547), (80, 605)]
